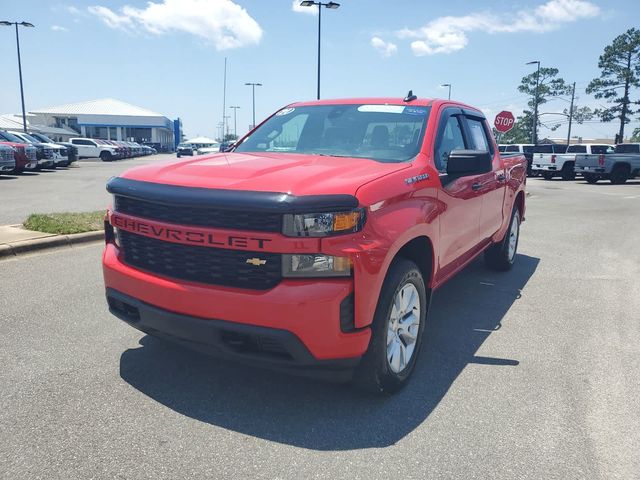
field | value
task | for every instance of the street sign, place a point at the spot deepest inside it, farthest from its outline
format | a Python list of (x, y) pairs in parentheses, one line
[(504, 121)]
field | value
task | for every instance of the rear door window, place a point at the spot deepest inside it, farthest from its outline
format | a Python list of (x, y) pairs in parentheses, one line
[(478, 135), (577, 149)]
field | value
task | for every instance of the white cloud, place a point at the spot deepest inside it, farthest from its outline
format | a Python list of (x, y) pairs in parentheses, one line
[(295, 6), (449, 34), (58, 28), (385, 48), (222, 23)]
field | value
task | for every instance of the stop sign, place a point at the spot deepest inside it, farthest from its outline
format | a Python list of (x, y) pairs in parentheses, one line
[(504, 121)]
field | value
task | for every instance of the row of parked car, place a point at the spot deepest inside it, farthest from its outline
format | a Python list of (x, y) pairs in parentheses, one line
[(109, 150), (20, 151), (616, 163), (190, 149)]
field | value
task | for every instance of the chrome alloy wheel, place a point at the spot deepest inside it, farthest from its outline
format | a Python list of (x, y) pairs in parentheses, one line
[(513, 235), (402, 328)]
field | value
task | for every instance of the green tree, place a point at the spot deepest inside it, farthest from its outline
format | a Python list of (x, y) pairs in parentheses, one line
[(620, 71), (636, 135), (549, 86)]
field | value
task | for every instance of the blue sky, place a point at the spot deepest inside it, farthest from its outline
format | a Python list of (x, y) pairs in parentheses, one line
[(168, 55)]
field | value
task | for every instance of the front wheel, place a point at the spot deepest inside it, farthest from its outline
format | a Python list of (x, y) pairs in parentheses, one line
[(105, 156), (502, 255), (397, 330), (591, 178)]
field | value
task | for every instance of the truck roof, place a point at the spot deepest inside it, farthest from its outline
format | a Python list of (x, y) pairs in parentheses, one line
[(419, 102)]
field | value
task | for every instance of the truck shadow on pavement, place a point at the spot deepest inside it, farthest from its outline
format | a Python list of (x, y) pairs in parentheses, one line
[(323, 416)]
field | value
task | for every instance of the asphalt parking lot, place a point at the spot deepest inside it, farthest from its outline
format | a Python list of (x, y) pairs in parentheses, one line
[(534, 373), (79, 188)]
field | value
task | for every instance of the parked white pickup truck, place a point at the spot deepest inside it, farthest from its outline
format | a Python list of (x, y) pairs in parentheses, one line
[(554, 164), (617, 167), (90, 148)]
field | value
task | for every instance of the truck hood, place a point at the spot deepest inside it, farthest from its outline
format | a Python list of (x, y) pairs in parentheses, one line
[(296, 174)]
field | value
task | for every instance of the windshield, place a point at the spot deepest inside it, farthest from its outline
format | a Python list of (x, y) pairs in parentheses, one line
[(386, 133), (11, 137), (42, 138), (29, 138)]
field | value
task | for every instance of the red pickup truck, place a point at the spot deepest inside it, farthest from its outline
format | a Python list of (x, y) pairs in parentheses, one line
[(315, 245)]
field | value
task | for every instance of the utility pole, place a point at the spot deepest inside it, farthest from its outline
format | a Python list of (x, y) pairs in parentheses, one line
[(235, 121), (573, 94)]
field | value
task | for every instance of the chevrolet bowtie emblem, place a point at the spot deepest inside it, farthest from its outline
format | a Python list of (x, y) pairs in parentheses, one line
[(256, 261)]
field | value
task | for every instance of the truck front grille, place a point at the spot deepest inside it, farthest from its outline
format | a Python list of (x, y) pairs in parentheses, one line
[(200, 216), (212, 266)]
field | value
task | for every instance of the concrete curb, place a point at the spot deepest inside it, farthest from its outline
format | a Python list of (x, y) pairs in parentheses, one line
[(56, 241)]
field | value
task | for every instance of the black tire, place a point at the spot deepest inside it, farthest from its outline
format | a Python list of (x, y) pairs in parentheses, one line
[(374, 374), (105, 156), (619, 174), (567, 171), (591, 178), (178, 155), (498, 256), (547, 175)]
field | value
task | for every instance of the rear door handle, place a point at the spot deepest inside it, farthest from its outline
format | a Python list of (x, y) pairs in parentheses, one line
[(501, 177), (476, 186)]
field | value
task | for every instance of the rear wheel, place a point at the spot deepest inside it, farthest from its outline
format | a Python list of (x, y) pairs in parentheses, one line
[(591, 178), (502, 255), (397, 330), (547, 175), (568, 172), (619, 174)]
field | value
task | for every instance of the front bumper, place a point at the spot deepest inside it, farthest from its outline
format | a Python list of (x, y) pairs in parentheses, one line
[(308, 311), (249, 344)]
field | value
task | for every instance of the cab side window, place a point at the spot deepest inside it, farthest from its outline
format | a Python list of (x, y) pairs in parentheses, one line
[(451, 138)]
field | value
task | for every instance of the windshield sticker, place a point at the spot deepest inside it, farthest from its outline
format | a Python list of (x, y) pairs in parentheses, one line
[(285, 111), (381, 108), (415, 110)]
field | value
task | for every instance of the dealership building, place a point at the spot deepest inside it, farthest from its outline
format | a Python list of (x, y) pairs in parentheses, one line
[(110, 119)]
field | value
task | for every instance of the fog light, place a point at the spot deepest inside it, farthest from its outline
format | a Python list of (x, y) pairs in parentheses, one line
[(315, 265)]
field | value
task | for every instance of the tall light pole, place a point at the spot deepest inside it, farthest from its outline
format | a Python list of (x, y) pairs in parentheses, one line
[(24, 24), (332, 6), (447, 85), (535, 104), (235, 121), (253, 88), (224, 97)]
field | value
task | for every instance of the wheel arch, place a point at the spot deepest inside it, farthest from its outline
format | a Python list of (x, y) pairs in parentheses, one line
[(419, 250)]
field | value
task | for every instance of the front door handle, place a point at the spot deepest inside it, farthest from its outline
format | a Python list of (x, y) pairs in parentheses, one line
[(501, 177), (476, 186)]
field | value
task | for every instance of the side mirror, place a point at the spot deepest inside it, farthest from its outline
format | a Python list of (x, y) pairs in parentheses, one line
[(463, 163)]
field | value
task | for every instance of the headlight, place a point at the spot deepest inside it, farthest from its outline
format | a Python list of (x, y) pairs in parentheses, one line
[(315, 265), (323, 224)]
